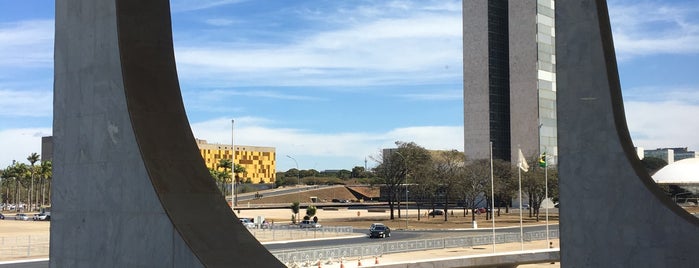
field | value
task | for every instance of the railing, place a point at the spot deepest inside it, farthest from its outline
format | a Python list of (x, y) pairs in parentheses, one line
[(291, 232), (16, 247), (37, 246), (377, 249)]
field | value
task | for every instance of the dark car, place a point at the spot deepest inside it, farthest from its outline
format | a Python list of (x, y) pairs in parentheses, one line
[(380, 231), (436, 212), (2, 217)]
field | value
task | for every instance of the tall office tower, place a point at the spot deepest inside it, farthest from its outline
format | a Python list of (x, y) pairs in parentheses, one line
[(509, 78)]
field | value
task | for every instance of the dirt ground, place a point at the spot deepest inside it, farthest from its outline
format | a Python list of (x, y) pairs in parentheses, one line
[(363, 218), (341, 217)]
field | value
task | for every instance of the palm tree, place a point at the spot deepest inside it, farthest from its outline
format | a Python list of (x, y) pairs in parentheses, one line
[(17, 172), (237, 170), (8, 174), (32, 158), (227, 165), (46, 172), (295, 207)]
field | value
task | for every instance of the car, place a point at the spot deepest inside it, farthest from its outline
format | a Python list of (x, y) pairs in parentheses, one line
[(41, 217), (480, 210), (380, 231), (309, 224), (247, 223), (2, 217), (436, 212), (21, 217), (371, 228)]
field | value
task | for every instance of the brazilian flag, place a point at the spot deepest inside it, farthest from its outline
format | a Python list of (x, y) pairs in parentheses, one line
[(542, 160)]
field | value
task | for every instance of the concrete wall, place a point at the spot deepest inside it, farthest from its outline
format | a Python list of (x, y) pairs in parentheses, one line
[(130, 188), (612, 213), (476, 100), (524, 93)]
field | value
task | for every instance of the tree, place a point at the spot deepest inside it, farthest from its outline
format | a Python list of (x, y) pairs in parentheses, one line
[(19, 173), (225, 175), (534, 184), (653, 164), (344, 174), (295, 207), (393, 169), (11, 175), (449, 169), (32, 158), (357, 172), (237, 170), (505, 185), (293, 173), (46, 173), (311, 211), (425, 188), (476, 184)]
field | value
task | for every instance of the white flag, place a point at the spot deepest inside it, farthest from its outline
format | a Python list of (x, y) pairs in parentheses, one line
[(521, 162)]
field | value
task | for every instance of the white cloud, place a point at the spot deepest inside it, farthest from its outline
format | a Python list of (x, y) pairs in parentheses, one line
[(306, 144), (382, 51), (26, 103), (271, 94), (648, 27), (17, 144), (219, 22), (688, 94), (191, 5), (26, 43), (663, 124), (437, 95)]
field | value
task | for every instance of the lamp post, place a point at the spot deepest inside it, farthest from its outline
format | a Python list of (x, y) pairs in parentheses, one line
[(298, 173), (232, 167), (406, 205), (406, 190)]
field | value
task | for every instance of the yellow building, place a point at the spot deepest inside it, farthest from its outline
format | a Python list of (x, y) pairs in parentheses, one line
[(259, 162)]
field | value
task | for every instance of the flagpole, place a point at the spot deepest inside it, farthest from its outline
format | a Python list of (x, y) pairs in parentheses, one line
[(492, 194), (522, 165), (521, 228), (546, 186)]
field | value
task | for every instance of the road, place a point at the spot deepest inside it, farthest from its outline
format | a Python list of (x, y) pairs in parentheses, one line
[(395, 236), (398, 235)]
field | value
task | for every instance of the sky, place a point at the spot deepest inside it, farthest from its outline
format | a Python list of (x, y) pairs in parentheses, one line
[(329, 83)]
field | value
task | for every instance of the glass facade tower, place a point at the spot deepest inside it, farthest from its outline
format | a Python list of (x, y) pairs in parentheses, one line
[(509, 78)]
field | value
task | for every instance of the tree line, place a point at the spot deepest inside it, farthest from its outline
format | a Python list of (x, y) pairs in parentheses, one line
[(440, 179), (26, 186)]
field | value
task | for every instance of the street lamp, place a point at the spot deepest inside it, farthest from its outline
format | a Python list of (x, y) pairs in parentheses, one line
[(298, 171), (406, 190), (233, 195)]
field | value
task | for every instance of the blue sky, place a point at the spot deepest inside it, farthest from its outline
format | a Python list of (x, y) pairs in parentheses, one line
[(330, 83)]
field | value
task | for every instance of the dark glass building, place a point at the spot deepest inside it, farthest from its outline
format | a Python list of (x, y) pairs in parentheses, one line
[(509, 78)]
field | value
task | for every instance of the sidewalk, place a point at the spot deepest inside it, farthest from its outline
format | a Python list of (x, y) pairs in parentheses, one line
[(421, 256)]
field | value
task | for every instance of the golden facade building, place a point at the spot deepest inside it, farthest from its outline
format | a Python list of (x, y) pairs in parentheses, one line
[(259, 162)]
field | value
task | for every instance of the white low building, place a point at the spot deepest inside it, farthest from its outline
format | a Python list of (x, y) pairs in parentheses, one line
[(684, 175)]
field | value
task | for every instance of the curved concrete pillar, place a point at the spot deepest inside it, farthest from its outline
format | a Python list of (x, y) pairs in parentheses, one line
[(613, 214), (130, 187)]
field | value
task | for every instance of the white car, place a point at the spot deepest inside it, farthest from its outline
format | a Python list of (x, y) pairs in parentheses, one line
[(21, 217), (309, 224), (41, 217), (247, 223)]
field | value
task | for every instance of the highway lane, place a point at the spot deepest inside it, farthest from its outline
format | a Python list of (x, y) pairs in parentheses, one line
[(396, 235)]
